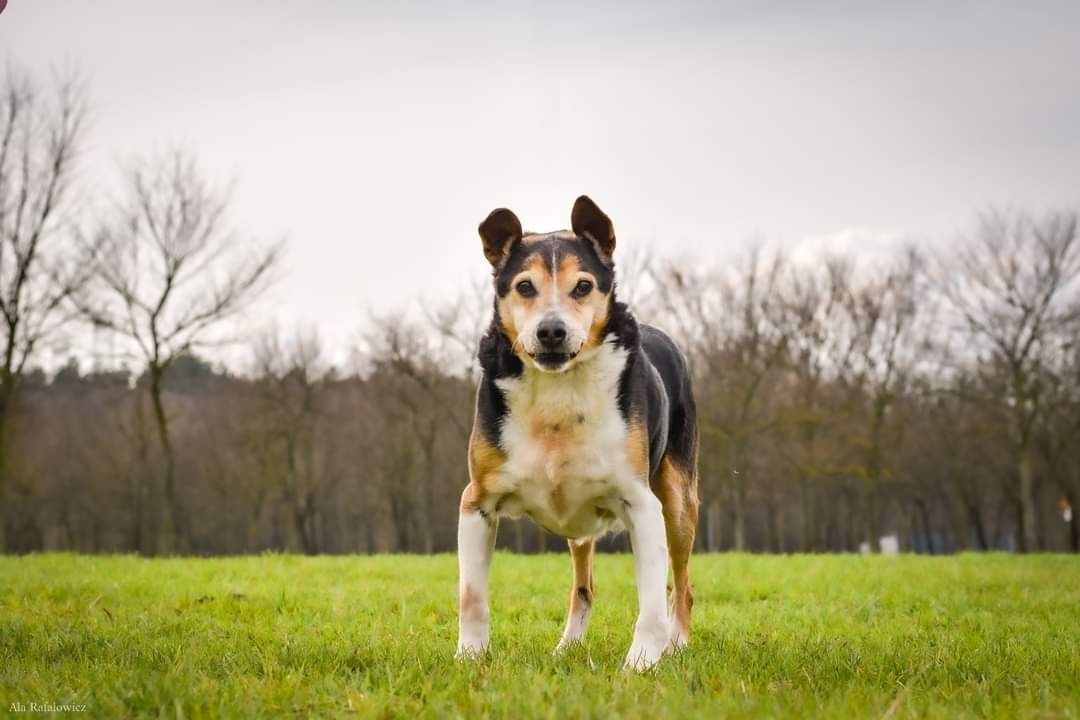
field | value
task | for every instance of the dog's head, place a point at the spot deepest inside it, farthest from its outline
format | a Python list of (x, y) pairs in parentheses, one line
[(553, 290)]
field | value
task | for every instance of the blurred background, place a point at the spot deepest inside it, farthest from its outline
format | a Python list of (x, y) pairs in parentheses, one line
[(241, 285)]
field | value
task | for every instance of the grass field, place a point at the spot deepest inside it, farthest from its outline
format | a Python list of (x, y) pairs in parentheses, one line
[(802, 636)]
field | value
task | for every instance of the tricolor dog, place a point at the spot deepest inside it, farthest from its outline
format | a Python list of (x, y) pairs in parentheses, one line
[(585, 422)]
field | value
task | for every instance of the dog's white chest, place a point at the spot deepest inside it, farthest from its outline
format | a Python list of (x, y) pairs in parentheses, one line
[(566, 446)]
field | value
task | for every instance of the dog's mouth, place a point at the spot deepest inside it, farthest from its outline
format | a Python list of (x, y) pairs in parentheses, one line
[(552, 360)]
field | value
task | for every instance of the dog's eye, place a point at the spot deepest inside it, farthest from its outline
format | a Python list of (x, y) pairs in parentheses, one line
[(526, 289), (583, 288)]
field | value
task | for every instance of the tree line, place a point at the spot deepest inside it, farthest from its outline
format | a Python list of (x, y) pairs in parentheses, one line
[(930, 394)]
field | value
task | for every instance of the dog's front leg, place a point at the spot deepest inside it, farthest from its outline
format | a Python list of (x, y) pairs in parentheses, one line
[(476, 541), (644, 519)]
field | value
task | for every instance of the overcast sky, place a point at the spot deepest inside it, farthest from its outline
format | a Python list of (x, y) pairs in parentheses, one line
[(376, 136)]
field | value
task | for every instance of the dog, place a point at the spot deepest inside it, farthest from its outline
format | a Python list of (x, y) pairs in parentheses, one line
[(585, 422)]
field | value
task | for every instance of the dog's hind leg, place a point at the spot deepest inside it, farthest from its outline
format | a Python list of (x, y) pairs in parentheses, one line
[(678, 495), (581, 592)]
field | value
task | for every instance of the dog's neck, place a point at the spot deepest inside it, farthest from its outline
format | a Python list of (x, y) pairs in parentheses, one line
[(573, 401)]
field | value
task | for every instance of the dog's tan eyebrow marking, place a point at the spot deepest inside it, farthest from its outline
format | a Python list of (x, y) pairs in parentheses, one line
[(534, 268)]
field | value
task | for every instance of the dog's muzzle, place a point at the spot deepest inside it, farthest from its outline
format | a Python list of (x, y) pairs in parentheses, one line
[(553, 352)]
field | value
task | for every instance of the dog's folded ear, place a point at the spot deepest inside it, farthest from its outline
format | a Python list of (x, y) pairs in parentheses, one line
[(499, 231), (587, 219)]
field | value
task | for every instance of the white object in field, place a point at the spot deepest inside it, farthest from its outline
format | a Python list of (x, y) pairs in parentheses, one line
[(889, 545), (1067, 514)]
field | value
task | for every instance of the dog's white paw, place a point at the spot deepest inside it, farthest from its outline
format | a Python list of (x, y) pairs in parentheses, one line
[(467, 652), (642, 657), (650, 644), (472, 641), (564, 645)]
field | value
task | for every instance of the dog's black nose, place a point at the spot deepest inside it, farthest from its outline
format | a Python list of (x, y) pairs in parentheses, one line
[(551, 333)]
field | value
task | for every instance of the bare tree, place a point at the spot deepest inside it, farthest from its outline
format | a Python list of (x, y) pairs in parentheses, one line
[(729, 324), (170, 273), (1058, 431), (418, 397), (459, 323), (883, 314), (958, 431), (291, 387), (1014, 288), (40, 136), (818, 353)]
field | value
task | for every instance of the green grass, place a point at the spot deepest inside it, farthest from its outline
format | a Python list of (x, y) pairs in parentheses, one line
[(802, 636)]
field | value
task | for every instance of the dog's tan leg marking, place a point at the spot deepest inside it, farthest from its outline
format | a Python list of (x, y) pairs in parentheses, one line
[(581, 592), (677, 491), (637, 448)]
